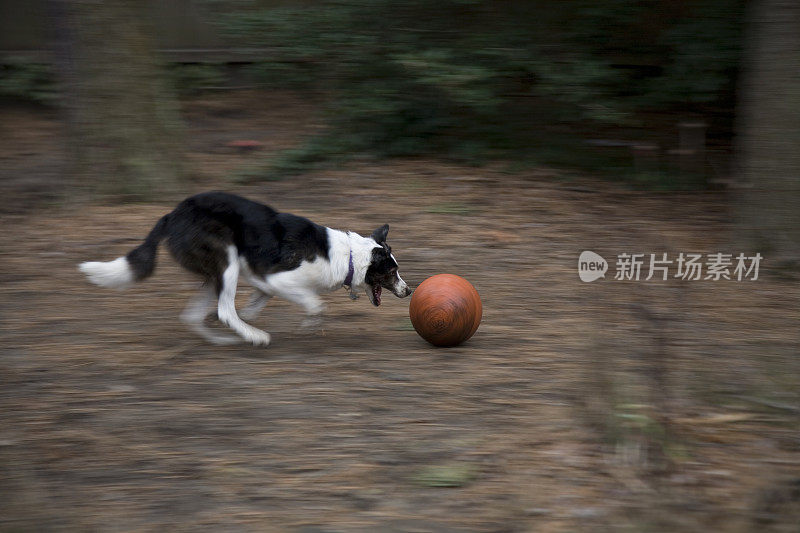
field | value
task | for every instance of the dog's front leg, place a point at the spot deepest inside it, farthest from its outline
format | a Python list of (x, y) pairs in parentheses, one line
[(314, 307), (311, 323)]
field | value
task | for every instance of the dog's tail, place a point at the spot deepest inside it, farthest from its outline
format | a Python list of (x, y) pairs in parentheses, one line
[(137, 265)]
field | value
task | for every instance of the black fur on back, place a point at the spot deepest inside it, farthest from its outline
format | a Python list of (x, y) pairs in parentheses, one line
[(201, 228)]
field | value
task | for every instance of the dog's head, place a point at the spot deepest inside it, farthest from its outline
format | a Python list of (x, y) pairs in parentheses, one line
[(382, 271)]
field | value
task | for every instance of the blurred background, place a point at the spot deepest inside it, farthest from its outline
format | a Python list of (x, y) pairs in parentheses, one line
[(499, 139)]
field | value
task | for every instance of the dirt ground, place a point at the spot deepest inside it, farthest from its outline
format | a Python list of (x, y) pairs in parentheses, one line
[(633, 406)]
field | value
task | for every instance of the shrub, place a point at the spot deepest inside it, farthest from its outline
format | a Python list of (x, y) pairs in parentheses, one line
[(432, 77)]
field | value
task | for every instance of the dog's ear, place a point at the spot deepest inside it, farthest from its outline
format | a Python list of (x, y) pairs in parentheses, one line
[(379, 235)]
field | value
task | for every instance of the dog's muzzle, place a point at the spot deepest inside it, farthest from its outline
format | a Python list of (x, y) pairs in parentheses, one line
[(401, 290)]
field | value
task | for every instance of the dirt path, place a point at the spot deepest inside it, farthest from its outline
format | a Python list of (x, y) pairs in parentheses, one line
[(641, 405)]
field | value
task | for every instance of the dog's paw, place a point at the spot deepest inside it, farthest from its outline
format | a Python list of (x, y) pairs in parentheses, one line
[(261, 338), (220, 339), (223, 340), (311, 323)]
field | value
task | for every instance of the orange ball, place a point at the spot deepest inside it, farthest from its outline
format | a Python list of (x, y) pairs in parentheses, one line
[(445, 310)]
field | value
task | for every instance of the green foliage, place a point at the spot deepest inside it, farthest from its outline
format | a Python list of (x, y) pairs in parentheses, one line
[(702, 56), (448, 475), (471, 79), (194, 78), (35, 82), (27, 81), (291, 75)]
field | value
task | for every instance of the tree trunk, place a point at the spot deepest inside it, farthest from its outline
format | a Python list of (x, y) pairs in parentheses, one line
[(122, 120), (769, 134)]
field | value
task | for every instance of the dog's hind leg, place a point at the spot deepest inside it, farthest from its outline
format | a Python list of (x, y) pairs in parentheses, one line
[(197, 310), (257, 302), (226, 308)]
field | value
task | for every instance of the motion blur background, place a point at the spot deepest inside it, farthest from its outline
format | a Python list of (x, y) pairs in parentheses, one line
[(499, 139)]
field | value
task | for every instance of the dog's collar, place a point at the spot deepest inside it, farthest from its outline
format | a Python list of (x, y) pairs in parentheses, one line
[(348, 280)]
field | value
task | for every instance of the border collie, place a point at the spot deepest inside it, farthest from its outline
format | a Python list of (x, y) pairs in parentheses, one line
[(222, 236)]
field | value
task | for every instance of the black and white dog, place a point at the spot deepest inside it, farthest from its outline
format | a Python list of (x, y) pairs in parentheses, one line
[(222, 236)]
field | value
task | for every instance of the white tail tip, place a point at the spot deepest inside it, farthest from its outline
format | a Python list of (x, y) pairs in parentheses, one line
[(116, 274)]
